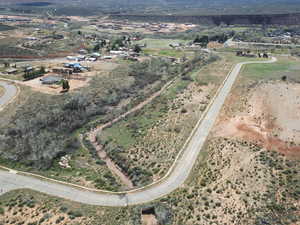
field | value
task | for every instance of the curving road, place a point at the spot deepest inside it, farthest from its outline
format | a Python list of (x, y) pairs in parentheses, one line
[(177, 175)]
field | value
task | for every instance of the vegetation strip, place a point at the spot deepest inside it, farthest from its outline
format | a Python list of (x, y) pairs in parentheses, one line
[(93, 133)]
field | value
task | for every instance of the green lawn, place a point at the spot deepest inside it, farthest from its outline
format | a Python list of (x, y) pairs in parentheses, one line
[(120, 134), (276, 70), (166, 52)]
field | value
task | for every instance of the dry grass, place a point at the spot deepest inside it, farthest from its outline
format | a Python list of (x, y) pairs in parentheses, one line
[(1, 91), (28, 207), (236, 182), (145, 145)]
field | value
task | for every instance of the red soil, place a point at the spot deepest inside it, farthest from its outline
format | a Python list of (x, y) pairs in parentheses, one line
[(267, 141)]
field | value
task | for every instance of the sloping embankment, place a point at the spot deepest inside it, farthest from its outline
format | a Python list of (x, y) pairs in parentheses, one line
[(269, 19)]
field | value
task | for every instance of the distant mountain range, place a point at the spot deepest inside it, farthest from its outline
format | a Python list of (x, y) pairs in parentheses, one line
[(185, 7)]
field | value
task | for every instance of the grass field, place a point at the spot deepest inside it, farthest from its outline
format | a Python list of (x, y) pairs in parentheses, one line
[(166, 52), (160, 43), (276, 70)]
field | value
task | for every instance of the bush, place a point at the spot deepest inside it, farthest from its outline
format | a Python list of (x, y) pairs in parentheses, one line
[(184, 110), (74, 214)]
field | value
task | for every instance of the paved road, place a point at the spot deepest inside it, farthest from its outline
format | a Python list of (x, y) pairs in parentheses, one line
[(10, 92), (11, 180)]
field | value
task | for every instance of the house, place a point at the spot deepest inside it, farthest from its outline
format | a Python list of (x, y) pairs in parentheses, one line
[(50, 80), (96, 54), (107, 57), (71, 58), (76, 67), (117, 52), (80, 58), (11, 71), (175, 45), (91, 59), (31, 38), (60, 70), (28, 69), (82, 51)]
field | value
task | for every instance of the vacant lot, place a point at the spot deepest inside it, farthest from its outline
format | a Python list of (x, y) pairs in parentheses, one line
[(263, 107), (237, 180), (146, 143)]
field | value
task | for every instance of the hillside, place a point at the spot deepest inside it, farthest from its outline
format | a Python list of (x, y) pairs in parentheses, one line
[(269, 19)]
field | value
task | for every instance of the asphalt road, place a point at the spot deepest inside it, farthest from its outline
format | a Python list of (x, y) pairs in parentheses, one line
[(11, 181)]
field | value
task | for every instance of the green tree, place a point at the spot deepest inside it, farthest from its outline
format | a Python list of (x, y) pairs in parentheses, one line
[(42, 70), (203, 41), (6, 64), (65, 85), (137, 49), (103, 43), (97, 47)]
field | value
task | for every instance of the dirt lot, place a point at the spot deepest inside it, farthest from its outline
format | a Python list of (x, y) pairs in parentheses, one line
[(36, 84), (271, 118), (76, 80), (149, 220)]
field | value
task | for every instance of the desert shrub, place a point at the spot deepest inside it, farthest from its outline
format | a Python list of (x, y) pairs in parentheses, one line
[(74, 214), (60, 219), (63, 209)]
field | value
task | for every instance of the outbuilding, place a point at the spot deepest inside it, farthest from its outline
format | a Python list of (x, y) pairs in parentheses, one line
[(50, 80)]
